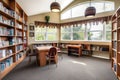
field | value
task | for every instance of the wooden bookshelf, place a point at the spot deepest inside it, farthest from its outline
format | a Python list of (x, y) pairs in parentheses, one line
[(116, 43), (95, 49), (13, 35)]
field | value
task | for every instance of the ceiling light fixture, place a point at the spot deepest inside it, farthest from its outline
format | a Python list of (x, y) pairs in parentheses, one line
[(90, 11), (55, 7)]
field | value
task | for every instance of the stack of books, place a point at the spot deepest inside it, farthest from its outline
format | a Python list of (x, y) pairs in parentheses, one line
[(19, 40), (19, 26), (6, 10), (5, 64), (17, 16), (6, 21), (19, 33), (5, 52), (19, 47), (19, 55), (6, 32)]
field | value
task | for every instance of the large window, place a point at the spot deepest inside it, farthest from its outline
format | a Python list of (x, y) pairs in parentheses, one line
[(45, 34), (92, 32), (79, 10), (73, 33)]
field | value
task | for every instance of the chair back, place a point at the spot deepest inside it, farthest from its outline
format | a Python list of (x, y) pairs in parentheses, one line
[(52, 52)]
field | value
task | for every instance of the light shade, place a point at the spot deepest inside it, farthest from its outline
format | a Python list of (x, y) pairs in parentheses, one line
[(90, 12), (55, 7)]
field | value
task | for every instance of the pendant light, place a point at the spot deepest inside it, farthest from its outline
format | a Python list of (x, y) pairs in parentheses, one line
[(55, 7), (90, 11)]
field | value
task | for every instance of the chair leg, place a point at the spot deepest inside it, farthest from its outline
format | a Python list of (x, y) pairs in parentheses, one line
[(56, 64), (48, 63), (29, 59)]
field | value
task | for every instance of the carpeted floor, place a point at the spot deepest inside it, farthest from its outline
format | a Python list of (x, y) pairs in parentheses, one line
[(69, 68)]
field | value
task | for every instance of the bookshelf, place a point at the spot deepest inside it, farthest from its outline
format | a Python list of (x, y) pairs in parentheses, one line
[(95, 49), (13, 35), (116, 43)]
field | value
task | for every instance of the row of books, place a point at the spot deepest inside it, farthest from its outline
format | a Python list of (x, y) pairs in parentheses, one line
[(7, 42), (114, 54), (114, 35), (63, 45), (25, 41), (19, 55), (25, 34), (19, 47), (25, 28), (115, 67), (17, 16), (5, 52), (115, 26), (6, 21), (5, 64), (100, 48), (19, 40), (114, 44), (5, 31), (25, 37), (19, 26), (37, 45), (19, 33), (25, 45), (24, 21), (6, 10)]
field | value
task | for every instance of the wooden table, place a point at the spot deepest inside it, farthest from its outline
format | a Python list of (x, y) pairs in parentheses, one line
[(42, 52), (74, 49)]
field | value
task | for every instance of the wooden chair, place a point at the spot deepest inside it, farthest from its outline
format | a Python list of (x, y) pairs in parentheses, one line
[(31, 53), (52, 55), (60, 52)]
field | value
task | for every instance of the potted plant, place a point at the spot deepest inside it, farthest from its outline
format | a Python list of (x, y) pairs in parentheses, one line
[(47, 18)]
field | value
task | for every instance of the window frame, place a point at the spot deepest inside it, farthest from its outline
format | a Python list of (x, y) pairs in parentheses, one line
[(46, 34), (87, 2)]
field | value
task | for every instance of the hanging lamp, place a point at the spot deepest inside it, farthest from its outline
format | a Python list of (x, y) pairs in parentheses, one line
[(90, 11), (55, 7)]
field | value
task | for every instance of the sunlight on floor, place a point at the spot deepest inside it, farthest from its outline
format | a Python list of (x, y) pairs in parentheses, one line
[(77, 62)]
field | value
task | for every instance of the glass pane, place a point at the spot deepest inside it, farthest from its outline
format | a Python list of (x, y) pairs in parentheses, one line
[(39, 36), (78, 36), (109, 6), (52, 37), (92, 27), (51, 30), (94, 35), (99, 6), (108, 27), (108, 35), (67, 29), (66, 36), (66, 14), (79, 10), (79, 28), (64, 3), (39, 29)]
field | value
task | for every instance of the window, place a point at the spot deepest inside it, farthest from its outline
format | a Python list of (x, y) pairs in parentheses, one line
[(108, 31), (87, 32), (95, 31), (66, 15), (73, 33), (48, 34), (79, 10)]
